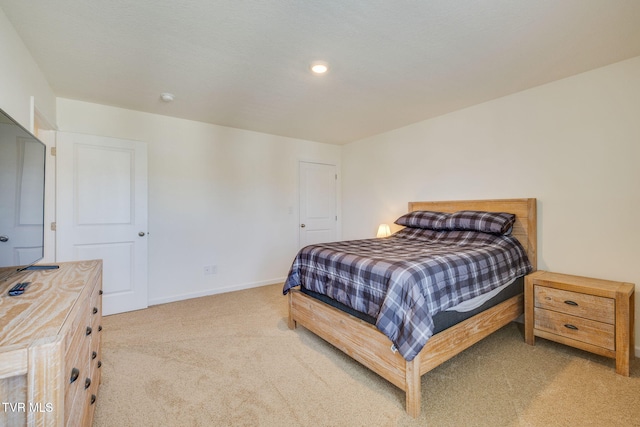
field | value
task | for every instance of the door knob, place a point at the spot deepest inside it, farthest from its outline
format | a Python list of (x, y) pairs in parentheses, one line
[(302, 225), (141, 234)]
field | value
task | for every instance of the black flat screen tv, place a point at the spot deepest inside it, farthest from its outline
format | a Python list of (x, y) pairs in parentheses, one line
[(22, 174)]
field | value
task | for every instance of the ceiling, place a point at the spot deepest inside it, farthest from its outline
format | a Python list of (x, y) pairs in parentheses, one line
[(245, 64)]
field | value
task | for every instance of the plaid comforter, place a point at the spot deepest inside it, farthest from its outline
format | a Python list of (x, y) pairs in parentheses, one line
[(405, 279)]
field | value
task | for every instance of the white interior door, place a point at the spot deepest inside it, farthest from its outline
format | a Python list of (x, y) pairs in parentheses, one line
[(318, 211), (101, 212)]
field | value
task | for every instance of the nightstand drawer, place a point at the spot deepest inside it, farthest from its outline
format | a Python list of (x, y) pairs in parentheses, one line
[(589, 331), (583, 305)]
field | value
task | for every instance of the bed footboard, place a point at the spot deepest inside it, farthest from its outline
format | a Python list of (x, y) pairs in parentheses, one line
[(366, 344), (361, 341)]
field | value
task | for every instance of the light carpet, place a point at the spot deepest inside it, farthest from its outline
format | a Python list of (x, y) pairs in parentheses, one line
[(230, 360)]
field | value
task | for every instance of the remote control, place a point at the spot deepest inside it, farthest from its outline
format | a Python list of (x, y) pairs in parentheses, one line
[(42, 267), (18, 289)]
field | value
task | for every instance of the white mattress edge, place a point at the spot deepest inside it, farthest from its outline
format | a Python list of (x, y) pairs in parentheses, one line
[(476, 302)]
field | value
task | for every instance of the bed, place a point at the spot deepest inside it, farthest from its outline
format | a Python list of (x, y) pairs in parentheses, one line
[(367, 344)]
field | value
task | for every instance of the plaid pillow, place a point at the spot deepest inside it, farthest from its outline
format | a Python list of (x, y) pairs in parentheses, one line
[(424, 219), (487, 222)]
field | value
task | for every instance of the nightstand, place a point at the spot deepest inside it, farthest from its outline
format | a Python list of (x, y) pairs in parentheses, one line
[(590, 314)]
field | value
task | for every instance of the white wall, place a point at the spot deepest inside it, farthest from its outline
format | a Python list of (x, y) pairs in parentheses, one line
[(23, 90), (217, 196), (21, 79), (573, 144)]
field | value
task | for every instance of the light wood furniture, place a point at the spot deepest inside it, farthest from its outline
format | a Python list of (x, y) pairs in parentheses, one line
[(366, 344), (50, 346), (591, 314)]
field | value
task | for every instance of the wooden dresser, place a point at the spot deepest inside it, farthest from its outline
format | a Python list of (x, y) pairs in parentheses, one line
[(591, 314), (50, 339)]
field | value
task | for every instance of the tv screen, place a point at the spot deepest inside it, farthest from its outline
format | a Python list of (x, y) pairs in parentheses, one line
[(22, 163)]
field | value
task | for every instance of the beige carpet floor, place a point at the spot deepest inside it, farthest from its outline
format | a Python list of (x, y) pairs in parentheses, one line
[(230, 360)]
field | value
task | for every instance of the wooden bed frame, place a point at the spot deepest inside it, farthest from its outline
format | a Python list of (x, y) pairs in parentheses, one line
[(366, 344)]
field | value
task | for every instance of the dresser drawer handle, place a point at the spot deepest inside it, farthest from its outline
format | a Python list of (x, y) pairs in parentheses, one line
[(87, 383), (99, 363), (75, 373), (95, 310), (93, 355), (89, 330), (99, 328), (93, 399), (569, 302), (100, 292), (570, 326)]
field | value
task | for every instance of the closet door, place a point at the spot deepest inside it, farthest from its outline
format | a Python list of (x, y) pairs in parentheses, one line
[(101, 213), (318, 194)]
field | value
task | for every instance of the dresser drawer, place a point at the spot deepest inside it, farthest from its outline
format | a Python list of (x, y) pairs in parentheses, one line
[(588, 331), (96, 362), (91, 399), (96, 338), (96, 310), (77, 363), (79, 371), (75, 403), (583, 305)]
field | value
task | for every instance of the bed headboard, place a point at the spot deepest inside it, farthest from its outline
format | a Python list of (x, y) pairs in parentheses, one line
[(524, 229)]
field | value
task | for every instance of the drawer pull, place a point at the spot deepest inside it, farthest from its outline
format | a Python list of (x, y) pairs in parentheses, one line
[(93, 355), (569, 302), (99, 363), (89, 330), (93, 399), (100, 292), (95, 310), (75, 373), (570, 326), (87, 383), (99, 328)]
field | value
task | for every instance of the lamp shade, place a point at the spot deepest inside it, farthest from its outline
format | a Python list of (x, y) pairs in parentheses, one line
[(383, 230)]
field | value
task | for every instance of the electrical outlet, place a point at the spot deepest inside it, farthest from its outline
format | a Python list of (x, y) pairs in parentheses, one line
[(210, 269)]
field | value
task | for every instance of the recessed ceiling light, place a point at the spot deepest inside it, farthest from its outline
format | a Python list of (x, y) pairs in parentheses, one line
[(167, 97), (319, 67)]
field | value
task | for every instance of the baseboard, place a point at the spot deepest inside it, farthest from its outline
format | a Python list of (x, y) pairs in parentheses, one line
[(209, 292)]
